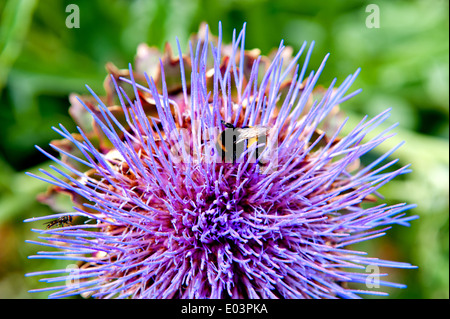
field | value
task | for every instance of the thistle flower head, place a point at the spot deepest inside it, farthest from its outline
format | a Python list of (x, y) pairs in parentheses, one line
[(217, 174)]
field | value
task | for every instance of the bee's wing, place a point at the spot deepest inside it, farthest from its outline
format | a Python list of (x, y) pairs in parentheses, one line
[(251, 132)]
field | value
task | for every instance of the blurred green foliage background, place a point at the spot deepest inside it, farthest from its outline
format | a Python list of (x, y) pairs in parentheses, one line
[(404, 66)]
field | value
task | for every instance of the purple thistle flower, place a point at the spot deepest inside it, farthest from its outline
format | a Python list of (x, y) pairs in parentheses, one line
[(159, 214)]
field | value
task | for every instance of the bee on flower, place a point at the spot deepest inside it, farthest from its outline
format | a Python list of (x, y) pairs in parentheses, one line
[(222, 173)]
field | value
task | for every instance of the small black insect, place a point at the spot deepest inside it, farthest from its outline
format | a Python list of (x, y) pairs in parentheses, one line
[(62, 221), (230, 142)]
